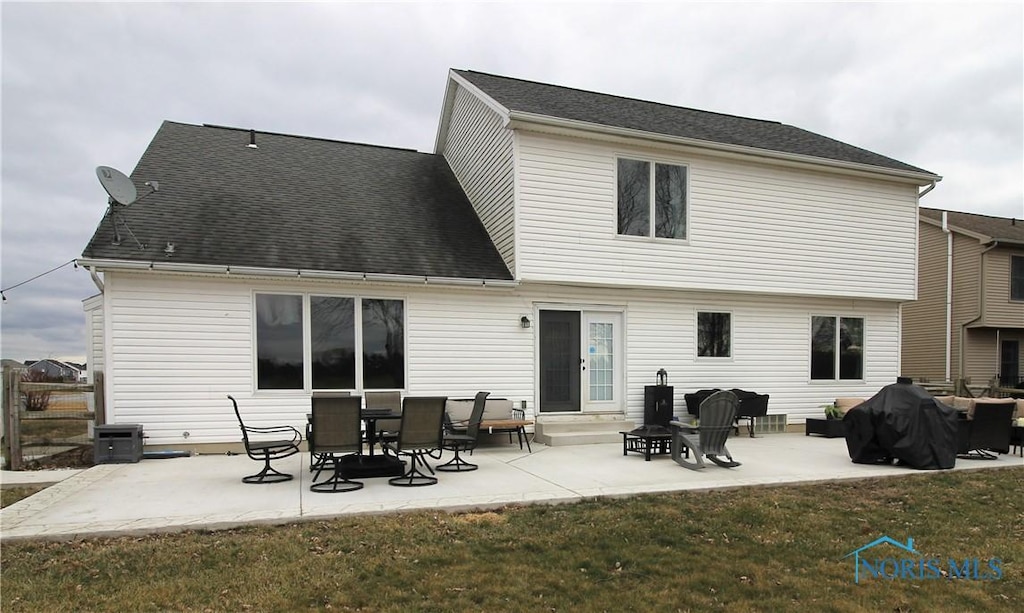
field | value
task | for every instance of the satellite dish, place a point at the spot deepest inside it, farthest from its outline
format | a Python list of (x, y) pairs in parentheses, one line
[(117, 184)]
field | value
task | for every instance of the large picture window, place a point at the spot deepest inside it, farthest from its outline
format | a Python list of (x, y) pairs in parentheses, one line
[(1017, 277), (837, 348), (714, 335), (659, 212), (353, 343)]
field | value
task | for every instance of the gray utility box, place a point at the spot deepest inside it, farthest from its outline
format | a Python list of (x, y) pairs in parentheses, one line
[(117, 443)]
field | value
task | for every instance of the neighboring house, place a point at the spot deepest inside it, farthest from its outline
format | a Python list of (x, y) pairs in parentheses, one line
[(57, 370), (557, 249), (968, 321)]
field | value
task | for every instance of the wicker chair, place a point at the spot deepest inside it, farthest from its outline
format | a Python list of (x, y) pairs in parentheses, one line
[(987, 430), (263, 450), (418, 437), (337, 436), (717, 414), (460, 437)]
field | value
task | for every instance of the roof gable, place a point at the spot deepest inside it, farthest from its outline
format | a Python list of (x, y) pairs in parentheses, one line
[(299, 203), (606, 110)]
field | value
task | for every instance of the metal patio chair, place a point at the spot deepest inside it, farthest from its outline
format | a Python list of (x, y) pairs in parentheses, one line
[(337, 436), (462, 437), (267, 450), (418, 437)]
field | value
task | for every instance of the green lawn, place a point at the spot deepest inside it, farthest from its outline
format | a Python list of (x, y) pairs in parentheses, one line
[(751, 549)]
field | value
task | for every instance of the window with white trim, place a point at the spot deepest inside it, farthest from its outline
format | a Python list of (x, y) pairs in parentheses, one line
[(714, 335), (651, 199), (837, 348), (352, 342)]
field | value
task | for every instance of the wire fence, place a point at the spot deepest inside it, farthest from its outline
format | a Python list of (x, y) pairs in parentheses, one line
[(42, 419)]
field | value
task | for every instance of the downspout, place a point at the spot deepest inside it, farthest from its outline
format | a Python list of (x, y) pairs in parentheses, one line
[(949, 294), (981, 306), (95, 278)]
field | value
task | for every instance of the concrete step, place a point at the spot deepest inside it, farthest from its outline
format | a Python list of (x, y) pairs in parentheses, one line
[(560, 439), (581, 430)]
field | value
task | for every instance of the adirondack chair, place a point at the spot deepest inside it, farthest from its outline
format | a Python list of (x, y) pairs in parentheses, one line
[(717, 414)]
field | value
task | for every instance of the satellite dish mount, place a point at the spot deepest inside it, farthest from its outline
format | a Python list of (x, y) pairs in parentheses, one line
[(122, 194)]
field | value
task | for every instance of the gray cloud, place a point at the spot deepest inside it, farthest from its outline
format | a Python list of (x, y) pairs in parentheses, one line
[(88, 84)]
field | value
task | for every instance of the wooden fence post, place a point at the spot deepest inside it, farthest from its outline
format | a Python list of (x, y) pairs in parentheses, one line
[(12, 418), (99, 399)]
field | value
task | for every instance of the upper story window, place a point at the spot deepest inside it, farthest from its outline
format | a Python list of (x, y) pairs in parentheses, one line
[(352, 343), (1016, 277), (714, 335), (652, 199), (837, 348)]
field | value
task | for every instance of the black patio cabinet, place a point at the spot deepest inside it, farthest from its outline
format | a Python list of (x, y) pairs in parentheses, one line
[(658, 402)]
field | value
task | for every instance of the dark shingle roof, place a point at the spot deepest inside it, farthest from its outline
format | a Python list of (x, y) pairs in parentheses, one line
[(300, 203), (619, 112), (996, 228)]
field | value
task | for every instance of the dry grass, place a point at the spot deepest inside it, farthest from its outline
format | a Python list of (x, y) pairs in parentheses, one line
[(751, 549), (10, 495)]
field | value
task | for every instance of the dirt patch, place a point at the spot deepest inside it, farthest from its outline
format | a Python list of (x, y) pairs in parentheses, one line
[(80, 456)]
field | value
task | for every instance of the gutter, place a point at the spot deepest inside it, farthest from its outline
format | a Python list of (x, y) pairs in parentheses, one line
[(295, 273)]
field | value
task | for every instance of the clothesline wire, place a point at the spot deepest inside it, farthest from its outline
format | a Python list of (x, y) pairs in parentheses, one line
[(42, 274)]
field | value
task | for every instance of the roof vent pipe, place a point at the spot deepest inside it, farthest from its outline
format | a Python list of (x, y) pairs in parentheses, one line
[(252, 140)]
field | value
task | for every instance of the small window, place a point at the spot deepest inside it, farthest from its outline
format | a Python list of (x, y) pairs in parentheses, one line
[(659, 212), (1017, 277), (714, 335), (837, 347)]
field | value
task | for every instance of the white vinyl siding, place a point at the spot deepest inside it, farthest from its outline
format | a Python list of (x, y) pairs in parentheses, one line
[(479, 151), (752, 227), (182, 344), (93, 336)]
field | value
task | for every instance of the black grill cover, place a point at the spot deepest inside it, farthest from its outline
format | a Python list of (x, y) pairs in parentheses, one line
[(902, 422)]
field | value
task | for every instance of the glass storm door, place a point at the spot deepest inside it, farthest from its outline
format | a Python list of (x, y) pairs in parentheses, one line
[(580, 361), (602, 361)]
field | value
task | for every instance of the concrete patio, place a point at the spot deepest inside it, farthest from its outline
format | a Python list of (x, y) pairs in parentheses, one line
[(206, 492)]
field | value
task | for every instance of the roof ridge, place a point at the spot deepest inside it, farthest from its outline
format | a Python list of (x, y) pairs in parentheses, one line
[(621, 97), (302, 136)]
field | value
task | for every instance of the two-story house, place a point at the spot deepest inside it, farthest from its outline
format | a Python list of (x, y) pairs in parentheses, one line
[(968, 321), (557, 248)]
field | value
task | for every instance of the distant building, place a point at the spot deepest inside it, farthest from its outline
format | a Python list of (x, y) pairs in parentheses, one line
[(55, 369), (968, 319)]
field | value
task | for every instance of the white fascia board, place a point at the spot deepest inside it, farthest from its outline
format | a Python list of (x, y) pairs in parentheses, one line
[(491, 103), (454, 82), (572, 127)]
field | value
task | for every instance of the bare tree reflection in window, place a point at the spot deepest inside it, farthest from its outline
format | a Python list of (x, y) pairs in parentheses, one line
[(634, 197), (823, 348), (383, 344), (333, 345), (669, 201), (714, 337)]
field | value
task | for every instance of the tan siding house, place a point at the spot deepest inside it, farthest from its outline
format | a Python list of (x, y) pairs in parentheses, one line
[(968, 321)]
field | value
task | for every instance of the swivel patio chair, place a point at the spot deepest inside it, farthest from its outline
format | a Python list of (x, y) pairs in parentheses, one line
[(717, 414), (462, 436), (266, 450), (316, 460), (987, 430), (337, 437), (418, 437)]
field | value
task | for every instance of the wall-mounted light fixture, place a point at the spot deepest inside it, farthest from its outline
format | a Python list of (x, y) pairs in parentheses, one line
[(524, 321)]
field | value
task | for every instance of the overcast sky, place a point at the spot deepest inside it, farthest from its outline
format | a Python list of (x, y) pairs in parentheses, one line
[(936, 85)]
